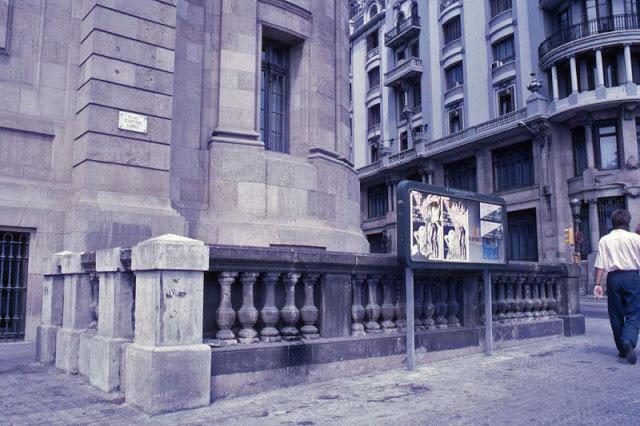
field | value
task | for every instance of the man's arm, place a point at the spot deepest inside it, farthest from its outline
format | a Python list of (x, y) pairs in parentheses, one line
[(597, 290)]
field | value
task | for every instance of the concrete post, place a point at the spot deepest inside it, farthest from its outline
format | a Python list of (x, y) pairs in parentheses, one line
[(168, 367), (627, 63), (554, 83), (52, 303), (76, 312), (574, 74), (115, 325), (588, 138)]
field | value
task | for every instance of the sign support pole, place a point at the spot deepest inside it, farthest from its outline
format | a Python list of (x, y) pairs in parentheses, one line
[(411, 334), (488, 318)]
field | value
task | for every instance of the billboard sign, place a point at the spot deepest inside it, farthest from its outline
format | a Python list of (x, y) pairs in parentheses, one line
[(440, 227)]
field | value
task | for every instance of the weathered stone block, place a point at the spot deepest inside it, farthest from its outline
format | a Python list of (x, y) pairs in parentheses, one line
[(163, 379), (171, 252), (46, 343), (106, 363), (67, 346), (84, 352)]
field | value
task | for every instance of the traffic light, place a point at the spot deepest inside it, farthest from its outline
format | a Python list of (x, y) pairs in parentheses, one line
[(568, 236)]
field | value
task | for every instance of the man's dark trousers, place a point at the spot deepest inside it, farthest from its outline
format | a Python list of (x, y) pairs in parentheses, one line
[(623, 299)]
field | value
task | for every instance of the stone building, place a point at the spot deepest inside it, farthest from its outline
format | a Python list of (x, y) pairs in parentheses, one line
[(534, 101), (221, 120)]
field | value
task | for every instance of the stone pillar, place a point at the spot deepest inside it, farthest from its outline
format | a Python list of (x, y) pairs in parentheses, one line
[(52, 302), (115, 326), (574, 74), (627, 63), (76, 313), (599, 68), (594, 225), (567, 300), (554, 83), (588, 138), (168, 367)]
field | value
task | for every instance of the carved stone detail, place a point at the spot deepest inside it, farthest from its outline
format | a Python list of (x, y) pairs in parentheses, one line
[(248, 314), (289, 313), (309, 311), (225, 315), (269, 313)]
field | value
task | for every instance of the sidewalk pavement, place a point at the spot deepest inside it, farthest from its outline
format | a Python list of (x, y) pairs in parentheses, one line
[(563, 381)]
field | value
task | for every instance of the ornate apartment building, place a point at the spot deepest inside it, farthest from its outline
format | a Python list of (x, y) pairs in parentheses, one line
[(220, 120), (534, 101)]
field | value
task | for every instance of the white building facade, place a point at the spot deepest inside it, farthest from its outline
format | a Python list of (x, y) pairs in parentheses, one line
[(533, 101)]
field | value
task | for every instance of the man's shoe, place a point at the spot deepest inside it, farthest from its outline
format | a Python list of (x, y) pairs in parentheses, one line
[(630, 354), (622, 354)]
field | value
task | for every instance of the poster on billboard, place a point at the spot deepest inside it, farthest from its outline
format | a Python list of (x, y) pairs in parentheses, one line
[(438, 225)]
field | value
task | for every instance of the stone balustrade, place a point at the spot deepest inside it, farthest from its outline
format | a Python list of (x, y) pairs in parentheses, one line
[(209, 319)]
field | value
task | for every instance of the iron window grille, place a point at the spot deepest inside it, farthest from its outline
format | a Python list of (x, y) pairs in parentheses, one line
[(523, 235), (506, 101), (274, 96), (14, 258), (452, 30), (455, 120), (513, 167), (499, 6), (504, 50), (606, 207), (454, 76)]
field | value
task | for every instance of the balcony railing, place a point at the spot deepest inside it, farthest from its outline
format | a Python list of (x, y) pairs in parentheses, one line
[(373, 53), (602, 25), (480, 128), (446, 3), (373, 128), (409, 68), (406, 28), (402, 155), (370, 167)]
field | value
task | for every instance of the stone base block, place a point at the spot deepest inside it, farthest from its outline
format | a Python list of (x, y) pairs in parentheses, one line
[(106, 355), (84, 353), (164, 379), (67, 348), (46, 343), (574, 325)]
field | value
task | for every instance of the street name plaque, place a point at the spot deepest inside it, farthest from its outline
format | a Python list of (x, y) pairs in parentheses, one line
[(132, 122), (444, 228)]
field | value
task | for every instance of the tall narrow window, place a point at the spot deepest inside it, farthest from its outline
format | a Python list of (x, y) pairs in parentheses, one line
[(374, 149), (455, 120), (523, 235), (513, 167), (610, 64), (503, 50), (377, 201), (452, 30), (372, 41), (579, 150), (374, 78), (454, 76), (404, 141), (499, 6), (506, 101), (274, 96), (564, 19), (374, 116), (417, 96), (606, 144), (585, 246)]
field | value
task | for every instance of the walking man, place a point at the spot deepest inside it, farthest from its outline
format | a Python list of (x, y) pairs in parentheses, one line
[(619, 257)]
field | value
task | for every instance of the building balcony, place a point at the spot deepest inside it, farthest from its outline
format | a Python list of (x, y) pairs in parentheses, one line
[(373, 130), (586, 31), (405, 30), (446, 3), (402, 156), (407, 70), (373, 53)]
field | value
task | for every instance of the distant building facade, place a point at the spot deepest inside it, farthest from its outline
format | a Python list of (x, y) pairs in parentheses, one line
[(534, 101), (221, 120)]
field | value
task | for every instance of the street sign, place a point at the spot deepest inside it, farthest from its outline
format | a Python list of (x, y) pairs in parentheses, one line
[(440, 227), (579, 237)]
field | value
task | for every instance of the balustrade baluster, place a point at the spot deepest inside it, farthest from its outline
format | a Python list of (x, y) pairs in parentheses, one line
[(225, 315), (309, 311), (372, 309), (453, 306), (528, 298), (494, 298), (510, 283), (357, 310), (544, 303), (248, 314), (535, 295), (428, 306), (388, 310), (95, 300), (551, 293), (289, 313), (269, 313), (441, 304), (519, 301), (417, 301), (401, 314), (502, 302)]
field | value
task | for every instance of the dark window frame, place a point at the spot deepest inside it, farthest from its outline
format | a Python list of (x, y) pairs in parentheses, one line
[(452, 30), (462, 174), (606, 206), (499, 6), (455, 115), (513, 167), (506, 91), (579, 146), (274, 68), (454, 75), (523, 235), (504, 50), (597, 135), (377, 201)]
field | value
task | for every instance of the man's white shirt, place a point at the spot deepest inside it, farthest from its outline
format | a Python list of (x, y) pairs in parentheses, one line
[(619, 251)]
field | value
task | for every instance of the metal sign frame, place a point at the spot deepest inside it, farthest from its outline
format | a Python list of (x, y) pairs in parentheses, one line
[(404, 228), (403, 212)]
